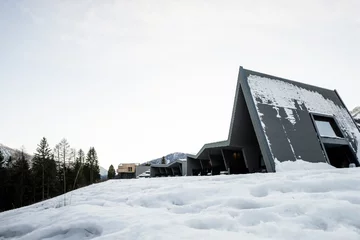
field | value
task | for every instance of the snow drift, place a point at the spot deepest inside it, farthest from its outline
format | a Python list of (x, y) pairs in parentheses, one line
[(300, 165), (311, 204)]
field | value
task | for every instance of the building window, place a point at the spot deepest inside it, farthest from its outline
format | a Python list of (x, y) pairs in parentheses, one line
[(129, 169), (327, 127), (336, 149)]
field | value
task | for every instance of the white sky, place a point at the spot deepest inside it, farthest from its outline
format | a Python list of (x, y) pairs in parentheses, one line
[(140, 79)]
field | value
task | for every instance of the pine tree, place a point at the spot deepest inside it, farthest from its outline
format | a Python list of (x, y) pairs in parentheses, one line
[(111, 172), (163, 161), (42, 164), (51, 180), (22, 181), (92, 166)]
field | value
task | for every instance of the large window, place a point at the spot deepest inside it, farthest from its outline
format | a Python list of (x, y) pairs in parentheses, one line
[(327, 127), (336, 149)]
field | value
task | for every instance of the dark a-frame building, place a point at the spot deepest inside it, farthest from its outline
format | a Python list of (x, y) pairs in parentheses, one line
[(276, 120)]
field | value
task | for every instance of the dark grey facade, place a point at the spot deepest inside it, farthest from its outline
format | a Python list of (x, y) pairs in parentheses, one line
[(140, 169), (176, 168), (276, 119)]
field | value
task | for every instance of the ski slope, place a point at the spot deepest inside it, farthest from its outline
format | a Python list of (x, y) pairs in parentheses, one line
[(299, 204)]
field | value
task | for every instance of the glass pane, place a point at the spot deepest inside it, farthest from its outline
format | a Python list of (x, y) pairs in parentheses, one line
[(325, 129)]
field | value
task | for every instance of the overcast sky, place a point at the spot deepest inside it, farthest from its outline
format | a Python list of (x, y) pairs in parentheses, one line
[(140, 79)]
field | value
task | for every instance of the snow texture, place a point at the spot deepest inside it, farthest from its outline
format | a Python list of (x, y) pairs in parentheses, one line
[(356, 113), (300, 165), (278, 93), (311, 204)]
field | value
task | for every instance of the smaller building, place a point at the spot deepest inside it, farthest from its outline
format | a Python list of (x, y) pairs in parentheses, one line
[(126, 170), (176, 168)]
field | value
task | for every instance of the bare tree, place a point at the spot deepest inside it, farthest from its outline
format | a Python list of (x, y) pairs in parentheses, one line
[(79, 163), (73, 155), (64, 154)]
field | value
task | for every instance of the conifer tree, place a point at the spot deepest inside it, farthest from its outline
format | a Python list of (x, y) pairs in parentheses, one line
[(163, 161), (22, 181), (92, 166), (51, 180), (42, 164), (111, 172)]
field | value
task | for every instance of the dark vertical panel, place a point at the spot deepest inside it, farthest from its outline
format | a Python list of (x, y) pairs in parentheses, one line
[(290, 141), (191, 165), (274, 131), (303, 137), (252, 157)]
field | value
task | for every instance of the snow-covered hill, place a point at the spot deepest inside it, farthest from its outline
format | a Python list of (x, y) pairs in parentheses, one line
[(300, 204), (103, 171), (172, 157), (7, 152)]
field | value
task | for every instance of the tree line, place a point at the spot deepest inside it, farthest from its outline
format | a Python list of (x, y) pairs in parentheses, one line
[(49, 173)]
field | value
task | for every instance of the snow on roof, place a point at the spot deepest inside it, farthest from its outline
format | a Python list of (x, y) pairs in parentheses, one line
[(278, 93)]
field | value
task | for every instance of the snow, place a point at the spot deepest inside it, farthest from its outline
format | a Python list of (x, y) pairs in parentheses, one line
[(278, 93), (300, 165), (305, 204), (356, 113), (290, 116), (145, 174)]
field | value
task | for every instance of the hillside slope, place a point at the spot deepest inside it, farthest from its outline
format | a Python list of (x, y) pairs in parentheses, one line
[(172, 157), (15, 153), (7, 151), (356, 115), (300, 204)]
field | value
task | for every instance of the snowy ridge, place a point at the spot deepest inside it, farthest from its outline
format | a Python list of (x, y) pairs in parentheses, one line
[(7, 152), (103, 171), (312, 204), (356, 115), (283, 94), (172, 157)]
